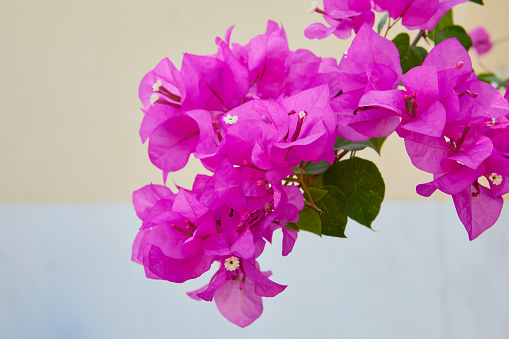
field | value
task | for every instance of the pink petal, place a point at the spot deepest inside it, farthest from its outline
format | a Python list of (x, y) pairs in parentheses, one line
[(241, 307), (477, 213), (173, 142)]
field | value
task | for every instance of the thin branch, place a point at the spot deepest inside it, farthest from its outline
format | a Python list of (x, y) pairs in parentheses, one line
[(422, 33)]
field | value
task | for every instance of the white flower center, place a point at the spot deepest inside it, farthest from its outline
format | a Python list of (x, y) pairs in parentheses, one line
[(302, 115), (495, 178), (345, 54), (231, 263), (230, 120), (153, 98), (314, 6), (157, 85)]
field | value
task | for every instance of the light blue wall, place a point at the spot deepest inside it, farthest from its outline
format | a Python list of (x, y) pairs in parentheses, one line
[(65, 273)]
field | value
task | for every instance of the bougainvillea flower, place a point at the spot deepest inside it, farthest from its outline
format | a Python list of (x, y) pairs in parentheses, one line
[(172, 143), (146, 197), (417, 14), (382, 51), (154, 117), (497, 173), (265, 56), (312, 130), (162, 85), (481, 41), (425, 114), (477, 209), (237, 289), (426, 153), (367, 81), (210, 83), (343, 16)]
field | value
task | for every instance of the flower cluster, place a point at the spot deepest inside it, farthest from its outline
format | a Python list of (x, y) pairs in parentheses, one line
[(343, 16), (272, 125), (454, 125), (230, 112)]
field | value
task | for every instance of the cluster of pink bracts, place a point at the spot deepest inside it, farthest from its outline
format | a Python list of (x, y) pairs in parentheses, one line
[(252, 113)]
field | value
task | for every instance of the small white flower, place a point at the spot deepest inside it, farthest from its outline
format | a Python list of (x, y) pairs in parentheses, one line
[(230, 120), (231, 263), (345, 54), (495, 178), (314, 6), (302, 114), (153, 98), (157, 85)]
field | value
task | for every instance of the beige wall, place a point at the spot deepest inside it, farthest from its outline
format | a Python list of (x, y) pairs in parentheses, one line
[(69, 72)]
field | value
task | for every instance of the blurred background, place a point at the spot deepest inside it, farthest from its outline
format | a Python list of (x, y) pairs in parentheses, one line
[(71, 157)]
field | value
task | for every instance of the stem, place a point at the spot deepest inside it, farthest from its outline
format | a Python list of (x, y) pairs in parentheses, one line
[(303, 184), (313, 206), (340, 156), (421, 34), (388, 27), (391, 25)]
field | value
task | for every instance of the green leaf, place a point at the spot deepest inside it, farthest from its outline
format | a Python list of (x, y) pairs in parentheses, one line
[(347, 145), (457, 32), (362, 184), (292, 226), (316, 193), (316, 167), (415, 57), (410, 56), (446, 20), (382, 22), (309, 220), (377, 143), (318, 182), (334, 216), (480, 2), (402, 42), (492, 78)]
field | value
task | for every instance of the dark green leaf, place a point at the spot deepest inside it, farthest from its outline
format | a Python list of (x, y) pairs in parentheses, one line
[(457, 32), (318, 182), (377, 143), (410, 56), (492, 78), (480, 2), (446, 20), (402, 42), (362, 184), (382, 22), (334, 216), (347, 145), (309, 220), (316, 193), (415, 57), (316, 168), (292, 226)]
